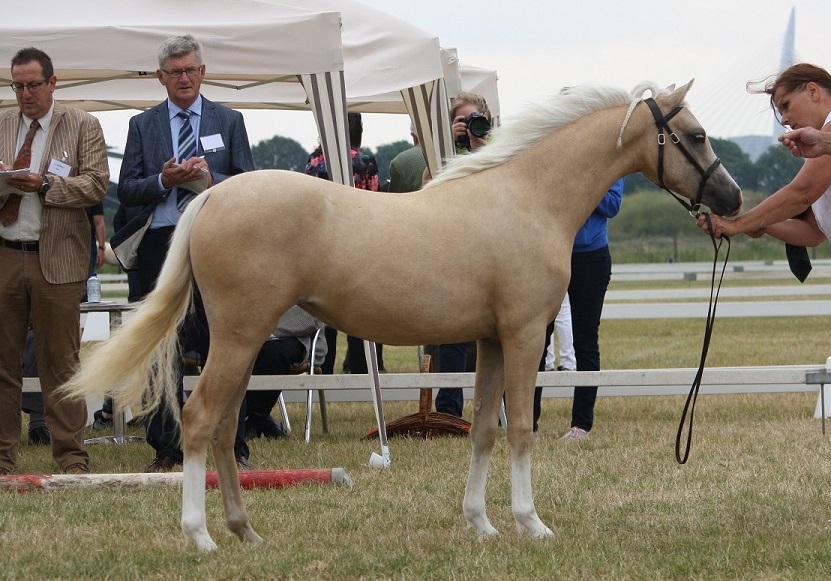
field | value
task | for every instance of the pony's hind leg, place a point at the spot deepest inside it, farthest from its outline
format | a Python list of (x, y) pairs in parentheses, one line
[(486, 403), (195, 447), (520, 379), (236, 517), (201, 417)]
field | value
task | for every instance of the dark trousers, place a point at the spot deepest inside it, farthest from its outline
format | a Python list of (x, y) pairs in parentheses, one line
[(275, 358), (356, 355), (549, 329), (162, 432), (590, 275), (453, 358), (331, 334), (355, 360)]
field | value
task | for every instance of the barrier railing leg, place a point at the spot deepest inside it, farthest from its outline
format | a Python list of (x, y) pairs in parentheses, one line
[(375, 460)]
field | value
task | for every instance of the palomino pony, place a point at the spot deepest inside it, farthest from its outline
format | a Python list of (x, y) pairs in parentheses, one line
[(482, 252)]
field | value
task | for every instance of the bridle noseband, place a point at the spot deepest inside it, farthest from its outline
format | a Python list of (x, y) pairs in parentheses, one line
[(662, 122)]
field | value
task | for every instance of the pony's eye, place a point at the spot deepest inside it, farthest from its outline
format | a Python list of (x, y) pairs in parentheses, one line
[(699, 138)]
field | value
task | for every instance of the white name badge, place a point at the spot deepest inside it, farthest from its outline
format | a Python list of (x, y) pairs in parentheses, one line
[(59, 168), (212, 142)]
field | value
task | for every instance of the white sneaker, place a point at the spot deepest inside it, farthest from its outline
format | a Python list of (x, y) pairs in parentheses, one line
[(576, 434)]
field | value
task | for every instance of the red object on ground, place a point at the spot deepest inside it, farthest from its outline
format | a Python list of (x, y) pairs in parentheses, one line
[(248, 480), (274, 478)]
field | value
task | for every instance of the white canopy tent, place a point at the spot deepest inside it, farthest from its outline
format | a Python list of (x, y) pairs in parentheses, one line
[(104, 52), (483, 82), (260, 54)]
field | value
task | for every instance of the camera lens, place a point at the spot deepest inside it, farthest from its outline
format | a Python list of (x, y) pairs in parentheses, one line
[(478, 125)]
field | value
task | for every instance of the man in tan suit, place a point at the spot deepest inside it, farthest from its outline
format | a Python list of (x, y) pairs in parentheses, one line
[(44, 250)]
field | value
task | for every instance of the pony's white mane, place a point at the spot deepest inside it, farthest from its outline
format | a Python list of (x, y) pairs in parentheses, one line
[(538, 120)]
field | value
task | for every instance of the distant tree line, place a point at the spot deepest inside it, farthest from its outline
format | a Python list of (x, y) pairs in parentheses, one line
[(774, 168), (285, 153)]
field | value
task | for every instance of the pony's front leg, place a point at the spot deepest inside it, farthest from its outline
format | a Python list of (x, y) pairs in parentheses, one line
[(521, 375), (486, 402)]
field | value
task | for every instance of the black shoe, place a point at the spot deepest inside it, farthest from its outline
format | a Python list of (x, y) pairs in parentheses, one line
[(273, 430), (163, 464), (253, 427), (39, 436)]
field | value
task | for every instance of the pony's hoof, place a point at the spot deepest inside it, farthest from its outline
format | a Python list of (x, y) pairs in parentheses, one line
[(479, 522), (539, 531), (250, 536), (488, 533), (485, 530), (204, 543)]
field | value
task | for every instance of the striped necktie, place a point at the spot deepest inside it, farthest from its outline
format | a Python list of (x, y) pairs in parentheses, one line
[(11, 207), (187, 150)]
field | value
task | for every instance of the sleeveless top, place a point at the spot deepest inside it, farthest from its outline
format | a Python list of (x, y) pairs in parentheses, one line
[(822, 207)]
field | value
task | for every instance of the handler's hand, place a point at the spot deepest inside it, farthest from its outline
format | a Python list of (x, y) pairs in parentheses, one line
[(720, 226), (806, 142)]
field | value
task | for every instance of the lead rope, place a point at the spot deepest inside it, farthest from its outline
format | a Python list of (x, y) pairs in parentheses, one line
[(695, 209), (708, 331)]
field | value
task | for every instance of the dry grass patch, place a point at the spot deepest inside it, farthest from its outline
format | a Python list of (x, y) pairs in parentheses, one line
[(751, 504)]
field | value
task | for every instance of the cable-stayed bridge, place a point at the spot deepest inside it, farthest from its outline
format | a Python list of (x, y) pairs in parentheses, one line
[(729, 111)]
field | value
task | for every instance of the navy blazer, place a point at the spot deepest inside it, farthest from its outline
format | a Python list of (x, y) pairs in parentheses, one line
[(150, 145)]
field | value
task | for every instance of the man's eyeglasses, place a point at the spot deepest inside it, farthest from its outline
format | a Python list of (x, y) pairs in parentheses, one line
[(190, 72), (33, 87)]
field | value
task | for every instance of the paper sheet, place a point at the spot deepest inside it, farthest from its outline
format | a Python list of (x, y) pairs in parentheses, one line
[(5, 188)]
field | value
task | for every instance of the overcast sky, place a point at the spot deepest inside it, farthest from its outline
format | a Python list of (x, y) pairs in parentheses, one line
[(539, 46)]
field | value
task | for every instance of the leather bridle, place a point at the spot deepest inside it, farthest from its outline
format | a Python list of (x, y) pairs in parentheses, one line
[(662, 123)]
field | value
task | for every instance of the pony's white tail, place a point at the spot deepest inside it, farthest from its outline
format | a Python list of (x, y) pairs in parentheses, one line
[(138, 365)]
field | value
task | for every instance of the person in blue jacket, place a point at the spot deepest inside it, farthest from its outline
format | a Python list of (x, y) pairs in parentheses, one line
[(591, 270)]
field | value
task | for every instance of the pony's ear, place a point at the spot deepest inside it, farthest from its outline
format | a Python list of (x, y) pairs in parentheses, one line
[(676, 96)]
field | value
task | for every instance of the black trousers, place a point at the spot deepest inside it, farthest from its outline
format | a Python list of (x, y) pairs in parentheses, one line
[(590, 275), (275, 358)]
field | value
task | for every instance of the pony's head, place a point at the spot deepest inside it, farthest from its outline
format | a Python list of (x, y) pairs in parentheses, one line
[(682, 159)]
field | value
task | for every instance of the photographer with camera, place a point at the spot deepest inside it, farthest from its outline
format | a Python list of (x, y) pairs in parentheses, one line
[(471, 122), (471, 127)]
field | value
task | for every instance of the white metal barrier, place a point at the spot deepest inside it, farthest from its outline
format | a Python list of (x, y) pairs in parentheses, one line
[(631, 382), (628, 382)]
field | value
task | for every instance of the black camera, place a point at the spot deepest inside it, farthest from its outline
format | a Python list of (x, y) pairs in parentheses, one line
[(478, 125)]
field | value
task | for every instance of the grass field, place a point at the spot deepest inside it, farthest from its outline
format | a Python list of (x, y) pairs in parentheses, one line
[(753, 502)]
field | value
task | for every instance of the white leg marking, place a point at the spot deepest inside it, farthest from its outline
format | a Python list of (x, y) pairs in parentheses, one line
[(522, 499), (474, 503), (194, 520)]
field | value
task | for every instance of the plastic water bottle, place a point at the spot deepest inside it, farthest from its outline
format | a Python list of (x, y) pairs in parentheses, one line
[(93, 289)]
